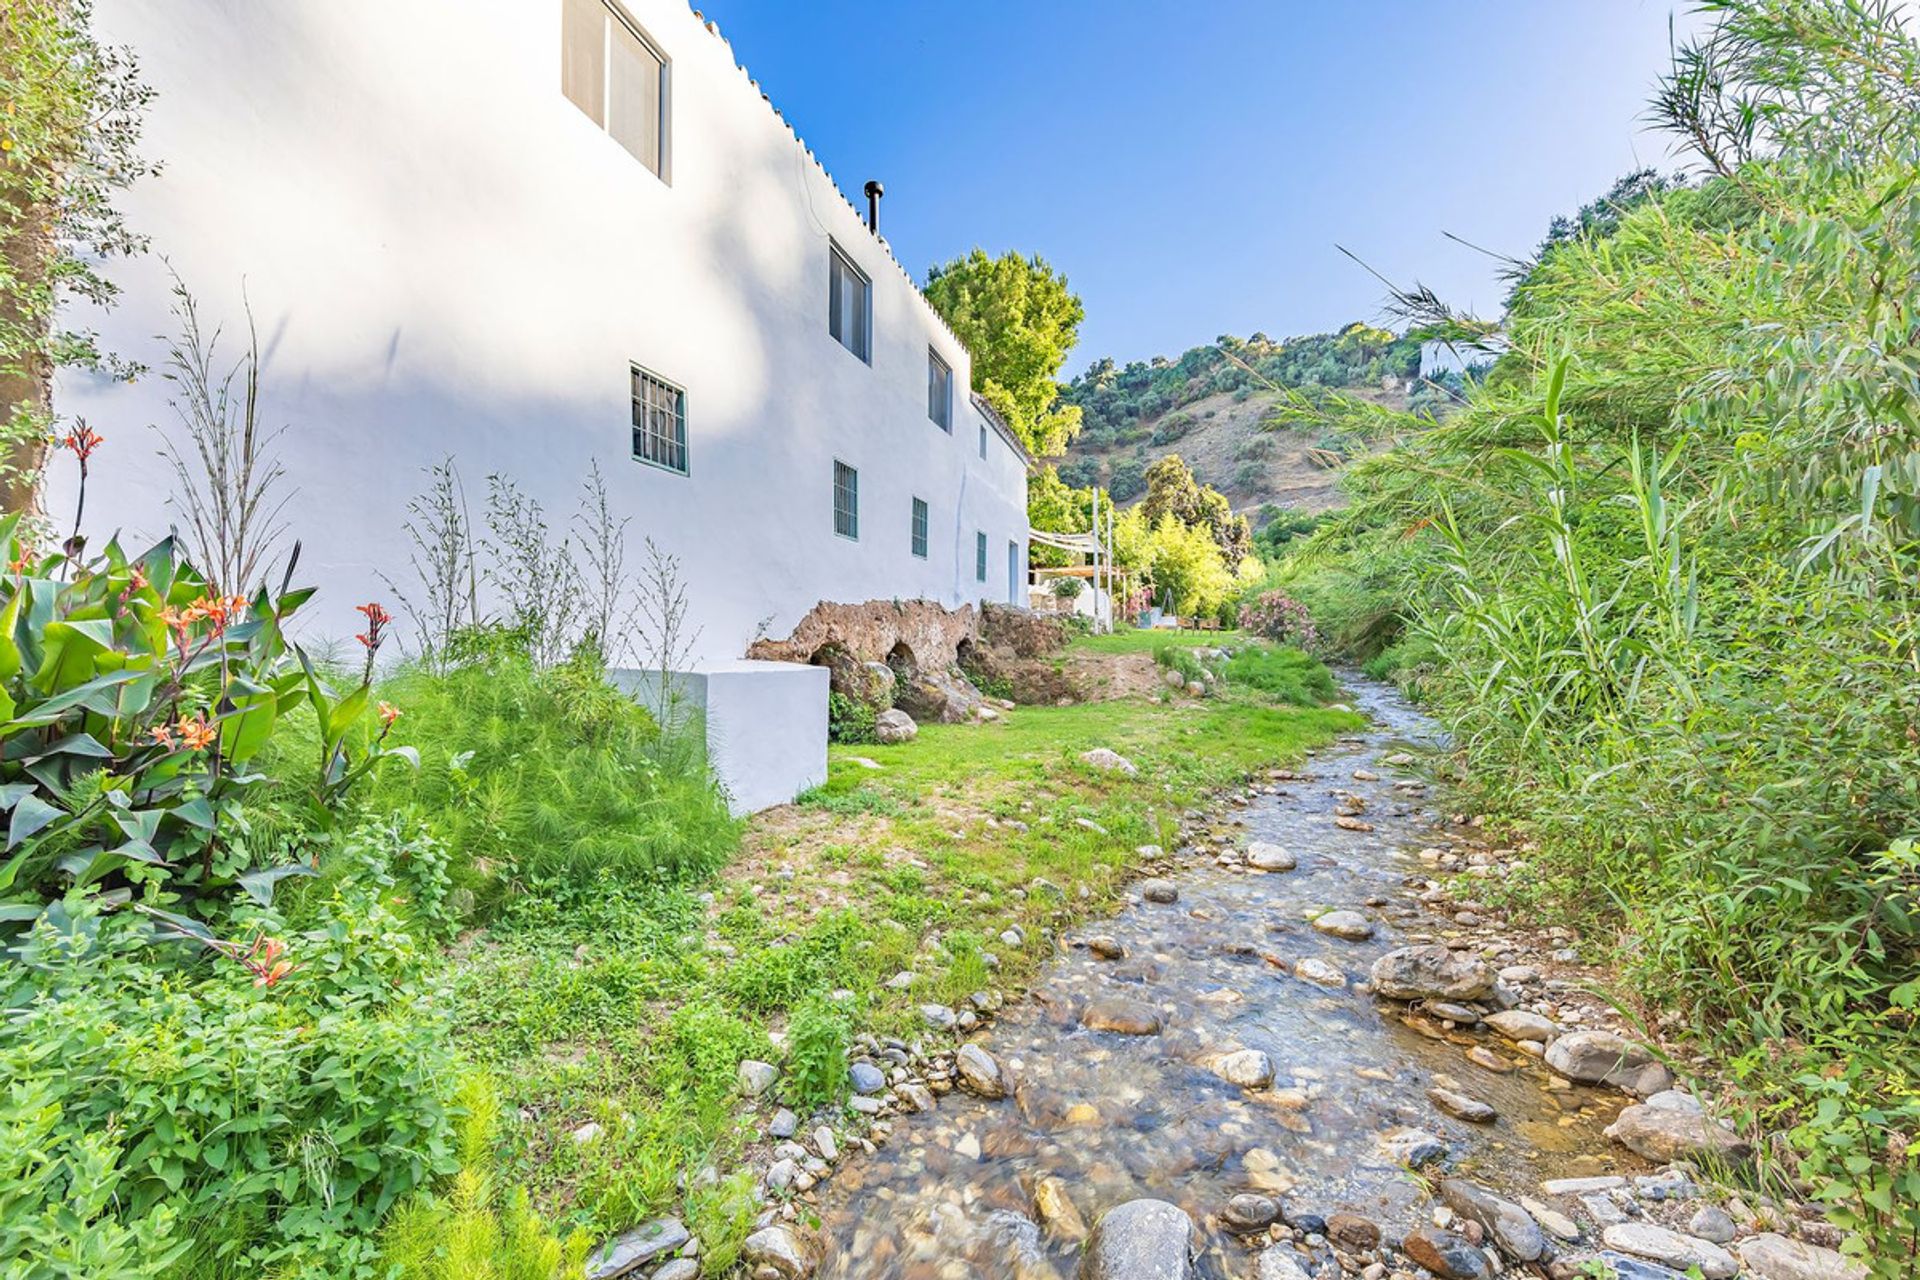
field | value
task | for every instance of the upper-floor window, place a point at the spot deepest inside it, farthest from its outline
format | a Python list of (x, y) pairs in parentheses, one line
[(659, 421), (983, 439), (980, 556), (846, 500), (920, 527), (849, 305), (611, 71), (939, 390)]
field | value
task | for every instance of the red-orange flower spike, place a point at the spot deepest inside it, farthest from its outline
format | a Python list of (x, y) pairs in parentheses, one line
[(83, 440), (196, 734), (389, 713), (163, 736)]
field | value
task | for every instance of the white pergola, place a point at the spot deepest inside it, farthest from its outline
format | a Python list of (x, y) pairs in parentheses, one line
[(1096, 545)]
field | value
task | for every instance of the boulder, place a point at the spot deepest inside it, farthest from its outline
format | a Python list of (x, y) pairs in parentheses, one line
[(756, 1077), (1770, 1256), (894, 726), (870, 683), (1509, 1226), (1106, 947), (943, 696), (627, 1253), (1671, 1249), (781, 1251), (1108, 760), (1447, 1255), (1140, 1240), (980, 1072), (1123, 1017), (1601, 1057), (1262, 856), (1431, 972), (1672, 1126)]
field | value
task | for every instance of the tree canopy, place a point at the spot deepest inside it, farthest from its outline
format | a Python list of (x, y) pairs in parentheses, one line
[(1019, 319)]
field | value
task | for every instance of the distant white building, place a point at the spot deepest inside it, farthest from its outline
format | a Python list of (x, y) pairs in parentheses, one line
[(532, 235)]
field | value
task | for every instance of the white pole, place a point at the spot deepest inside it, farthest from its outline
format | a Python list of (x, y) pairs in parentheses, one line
[(1096, 558)]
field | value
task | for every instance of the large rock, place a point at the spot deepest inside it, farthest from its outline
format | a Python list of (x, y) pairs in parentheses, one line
[(1601, 1057), (627, 1253), (980, 1072), (1350, 925), (756, 1077), (1280, 1262), (868, 682), (939, 695), (1140, 1240), (1672, 1126), (1774, 1257), (894, 725), (1431, 972), (1506, 1223), (1263, 856), (1447, 1255), (1671, 1249), (1521, 1024), (1108, 759), (781, 1250), (1123, 1017)]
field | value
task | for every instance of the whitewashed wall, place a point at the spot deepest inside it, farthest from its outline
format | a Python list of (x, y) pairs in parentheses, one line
[(445, 256)]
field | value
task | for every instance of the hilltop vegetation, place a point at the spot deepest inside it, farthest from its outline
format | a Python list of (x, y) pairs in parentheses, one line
[(1223, 408), (1661, 577)]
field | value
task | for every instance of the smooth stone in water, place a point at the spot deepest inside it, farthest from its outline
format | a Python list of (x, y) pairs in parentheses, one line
[(1319, 972), (1350, 925), (1055, 1208), (1353, 1231), (1463, 1107), (1519, 1024), (1247, 1213), (1279, 1262), (1412, 1147), (1671, 1249), (1262, 856), (1248, 1068), (1139, 1240), (1157, 890), (1105, 947), (1123, 1017)]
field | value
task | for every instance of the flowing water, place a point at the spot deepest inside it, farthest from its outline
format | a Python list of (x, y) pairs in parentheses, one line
[(1114, 1117)]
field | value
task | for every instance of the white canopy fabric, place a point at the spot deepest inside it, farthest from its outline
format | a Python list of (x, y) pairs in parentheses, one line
[(1084, 542)]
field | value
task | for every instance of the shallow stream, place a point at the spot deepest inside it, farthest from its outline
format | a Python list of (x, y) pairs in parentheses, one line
[(1114, 1117)]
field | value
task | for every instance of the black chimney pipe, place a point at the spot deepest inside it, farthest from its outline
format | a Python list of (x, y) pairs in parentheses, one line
[(874, 192)]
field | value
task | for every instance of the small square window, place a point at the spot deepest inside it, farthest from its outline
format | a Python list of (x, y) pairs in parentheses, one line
[(980, 556), (920, 528), (983, 439), (846, 500), (659, 421), (939, 390), (849, 305)]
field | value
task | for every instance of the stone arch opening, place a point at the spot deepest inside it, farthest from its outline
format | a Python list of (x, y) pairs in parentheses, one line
[(904, 665)]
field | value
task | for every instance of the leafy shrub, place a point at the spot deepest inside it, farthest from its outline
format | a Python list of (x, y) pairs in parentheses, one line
[(817, 1038), (554, 773), (1127, 480), (850, 720), (266, 1119), (1175, 657), (136, 701), (1278, 616), (1067, 588), (1171, 428)]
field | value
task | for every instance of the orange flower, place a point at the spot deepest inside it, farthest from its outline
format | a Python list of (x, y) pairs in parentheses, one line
[(163, 736), (83, 440), (136, 579), (271, 974), (197, 733), (376, 615), (22, 562), (388, 714)]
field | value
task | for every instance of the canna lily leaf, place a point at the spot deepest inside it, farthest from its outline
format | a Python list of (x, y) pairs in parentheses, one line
[(260, 882), (31, 815)]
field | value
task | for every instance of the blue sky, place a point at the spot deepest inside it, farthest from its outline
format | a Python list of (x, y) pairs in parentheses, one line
[(1191, 167)]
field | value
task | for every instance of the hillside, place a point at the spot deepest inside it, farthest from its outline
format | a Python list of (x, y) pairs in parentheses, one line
[(1216, 405)]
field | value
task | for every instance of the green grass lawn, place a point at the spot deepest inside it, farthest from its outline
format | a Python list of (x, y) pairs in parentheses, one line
[(1145, 640)]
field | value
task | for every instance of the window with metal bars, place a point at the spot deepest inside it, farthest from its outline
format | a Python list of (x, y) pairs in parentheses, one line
[(846, 500), (659, 421), (920, 528)]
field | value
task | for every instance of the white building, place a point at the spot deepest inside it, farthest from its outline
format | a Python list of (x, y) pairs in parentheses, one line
[(531, 235)]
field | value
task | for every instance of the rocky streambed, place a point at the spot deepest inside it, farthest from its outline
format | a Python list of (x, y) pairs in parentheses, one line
[(1295, 1053)]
